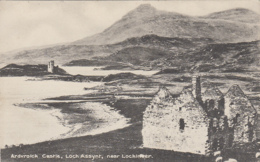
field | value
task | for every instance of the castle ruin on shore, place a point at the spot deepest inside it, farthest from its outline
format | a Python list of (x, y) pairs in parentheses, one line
[(199, 123), (51, 67)]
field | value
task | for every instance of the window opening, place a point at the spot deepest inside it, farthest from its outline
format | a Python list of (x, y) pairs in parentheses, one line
[(182, 124)]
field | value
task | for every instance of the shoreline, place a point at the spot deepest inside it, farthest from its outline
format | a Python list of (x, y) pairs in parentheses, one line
[(125, 141), (130, 102), (111, 121)]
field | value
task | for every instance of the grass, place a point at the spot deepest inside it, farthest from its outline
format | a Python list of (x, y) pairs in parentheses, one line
[(131, 108)]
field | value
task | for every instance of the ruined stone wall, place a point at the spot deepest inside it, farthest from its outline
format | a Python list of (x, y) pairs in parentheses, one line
[(179, 125), (182, 124), (220, 136), (213, 101), (51, 67), (214, 107), (157, 129), (196, 87), (241, 115)]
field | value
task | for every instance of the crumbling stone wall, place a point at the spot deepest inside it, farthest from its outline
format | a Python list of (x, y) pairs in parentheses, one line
[(197, 125), (213, 101), (241, 115), (51, 66), (219, 133), (196, 87), (179, 125)]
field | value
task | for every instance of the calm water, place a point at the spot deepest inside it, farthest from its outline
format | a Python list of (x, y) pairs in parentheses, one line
[(83, 70), (23, 125)]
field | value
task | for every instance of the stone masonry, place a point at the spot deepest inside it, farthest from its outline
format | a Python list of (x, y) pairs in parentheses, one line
[(198, 123)]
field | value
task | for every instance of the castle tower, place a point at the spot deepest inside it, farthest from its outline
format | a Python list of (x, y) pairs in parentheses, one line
[(51, 67), (196, 88)]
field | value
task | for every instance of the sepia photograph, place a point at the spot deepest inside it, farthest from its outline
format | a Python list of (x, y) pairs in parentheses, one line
[(134, 81)]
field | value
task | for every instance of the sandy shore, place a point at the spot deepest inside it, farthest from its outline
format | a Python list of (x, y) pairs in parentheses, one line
[(84, 118)]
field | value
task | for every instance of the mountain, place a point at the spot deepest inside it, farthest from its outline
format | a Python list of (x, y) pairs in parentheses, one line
[(224, 57), (146, 20), (63, 54), (154, 39), (183, 55), (238, 14), (138, 55), (140, 51), (154, 52)]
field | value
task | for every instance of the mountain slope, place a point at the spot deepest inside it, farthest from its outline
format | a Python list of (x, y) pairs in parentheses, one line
[(65, 53), (146, 20), (137, 55), (215, 57), (230, 57), (61, 54), (154, 52), (238, 14), (157, 39)]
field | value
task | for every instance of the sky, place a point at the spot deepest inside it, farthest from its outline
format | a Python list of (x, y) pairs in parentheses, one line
[(38, 23)]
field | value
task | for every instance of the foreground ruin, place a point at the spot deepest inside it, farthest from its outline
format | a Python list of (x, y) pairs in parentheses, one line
[(199, 123)]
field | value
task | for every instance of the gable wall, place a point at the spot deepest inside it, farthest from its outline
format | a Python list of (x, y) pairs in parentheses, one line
[(161, 128)]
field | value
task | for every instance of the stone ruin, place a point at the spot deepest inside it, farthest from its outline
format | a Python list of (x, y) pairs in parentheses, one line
[(51, 67), (199, 123)]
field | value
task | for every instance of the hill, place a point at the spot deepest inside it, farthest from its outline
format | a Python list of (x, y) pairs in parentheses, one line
[(154, 52), (80, 55), (237, 14), (126, 76), (92, 62), (226, 57), (137, 55), (61, 54), (184, 56), (153, 39), (146, 20)]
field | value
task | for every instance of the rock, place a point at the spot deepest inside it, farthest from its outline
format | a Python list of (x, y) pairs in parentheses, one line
[(219, 159)]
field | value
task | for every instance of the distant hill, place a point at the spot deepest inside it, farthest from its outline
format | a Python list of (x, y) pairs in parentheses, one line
[(113, 77), (238, 14), (178, 54), (61, 54), (145, 20), (140, 51), (80, 54), (230, 57), (138, 55), (222, 57), (92, 62), (152, 39)]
